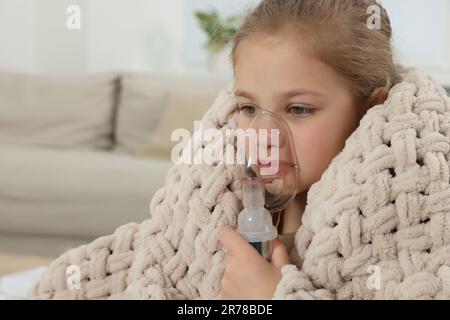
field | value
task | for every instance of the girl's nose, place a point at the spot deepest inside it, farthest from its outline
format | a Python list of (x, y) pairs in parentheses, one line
[(275, 131)]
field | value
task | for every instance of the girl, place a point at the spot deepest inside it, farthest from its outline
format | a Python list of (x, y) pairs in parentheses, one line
[(372, 141), (319, 65)]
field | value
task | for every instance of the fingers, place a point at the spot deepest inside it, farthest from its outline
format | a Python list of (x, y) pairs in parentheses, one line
[(233, 242), (225, 234), (280, 255), (230, 238)]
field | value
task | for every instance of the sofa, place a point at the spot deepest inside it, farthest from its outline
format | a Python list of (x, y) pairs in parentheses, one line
[(82, 154)]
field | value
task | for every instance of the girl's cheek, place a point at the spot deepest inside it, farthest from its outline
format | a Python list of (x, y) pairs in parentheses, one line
[(315, 150), (312, 144)]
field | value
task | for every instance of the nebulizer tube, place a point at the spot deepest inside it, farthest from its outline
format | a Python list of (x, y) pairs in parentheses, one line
[(267, 186), (255, 221)]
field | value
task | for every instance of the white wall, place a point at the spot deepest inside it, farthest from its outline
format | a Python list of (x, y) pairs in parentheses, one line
[(115, 34), (135, 35), (163, 36), (16, 39), (148, 35), (421, 31), (56, 48)]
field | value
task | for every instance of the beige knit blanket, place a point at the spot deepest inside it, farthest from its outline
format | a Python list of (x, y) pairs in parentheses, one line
[(376, 225)]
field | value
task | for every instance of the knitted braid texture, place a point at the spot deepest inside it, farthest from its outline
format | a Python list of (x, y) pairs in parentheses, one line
[(381, 212), (176, 254)]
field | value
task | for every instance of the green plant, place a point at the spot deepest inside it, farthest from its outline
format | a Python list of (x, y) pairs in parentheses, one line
[(220, 31)]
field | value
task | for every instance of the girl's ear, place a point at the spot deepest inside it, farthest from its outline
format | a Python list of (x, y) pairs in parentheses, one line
[(378, 96)]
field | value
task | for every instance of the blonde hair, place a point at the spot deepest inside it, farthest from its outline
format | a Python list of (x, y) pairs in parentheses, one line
[(334, 31)]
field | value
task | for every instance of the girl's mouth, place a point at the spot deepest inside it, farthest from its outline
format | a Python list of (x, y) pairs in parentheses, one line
[(277, 167)]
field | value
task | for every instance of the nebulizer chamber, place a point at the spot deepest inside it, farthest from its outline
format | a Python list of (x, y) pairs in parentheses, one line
[(267, 188), (255, 221)]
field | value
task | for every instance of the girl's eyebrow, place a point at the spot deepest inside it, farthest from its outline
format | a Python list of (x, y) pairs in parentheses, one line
[(286, 95), (243, 94)]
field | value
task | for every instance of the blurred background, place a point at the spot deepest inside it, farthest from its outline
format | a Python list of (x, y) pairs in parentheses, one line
[(90, 91)]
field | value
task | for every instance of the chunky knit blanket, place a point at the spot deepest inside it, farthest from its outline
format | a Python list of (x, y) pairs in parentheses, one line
[(376, 225)]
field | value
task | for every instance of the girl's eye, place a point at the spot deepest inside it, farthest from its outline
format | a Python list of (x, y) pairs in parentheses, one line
[(300, 111), (248, 110)]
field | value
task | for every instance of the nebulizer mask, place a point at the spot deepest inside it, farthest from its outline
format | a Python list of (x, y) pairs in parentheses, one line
[(269, 176)]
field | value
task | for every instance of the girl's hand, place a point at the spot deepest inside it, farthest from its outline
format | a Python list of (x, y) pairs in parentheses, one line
[(248, 276)]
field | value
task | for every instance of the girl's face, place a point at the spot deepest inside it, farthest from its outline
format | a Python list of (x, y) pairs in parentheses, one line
[(310, 96)]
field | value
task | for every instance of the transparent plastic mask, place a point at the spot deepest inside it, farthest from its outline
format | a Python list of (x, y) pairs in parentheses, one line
[(269, 157)]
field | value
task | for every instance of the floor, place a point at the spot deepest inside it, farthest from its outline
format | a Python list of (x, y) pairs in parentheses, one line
[(10, 263), (38, 245)]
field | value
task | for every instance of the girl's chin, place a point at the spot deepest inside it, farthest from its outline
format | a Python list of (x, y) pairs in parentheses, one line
[(302, 190)]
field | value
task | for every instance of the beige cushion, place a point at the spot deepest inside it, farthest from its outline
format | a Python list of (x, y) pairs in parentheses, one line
[(182, 111), (140, 110), (187, 100), (74, 193), (60, 111)]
